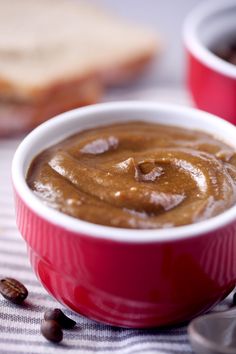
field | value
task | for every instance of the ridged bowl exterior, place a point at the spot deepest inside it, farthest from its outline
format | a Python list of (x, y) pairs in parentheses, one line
[(212, 91), (132, 284)]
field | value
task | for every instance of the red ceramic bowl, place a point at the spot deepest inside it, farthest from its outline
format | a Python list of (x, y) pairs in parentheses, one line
[(211, 80), (130, 278)]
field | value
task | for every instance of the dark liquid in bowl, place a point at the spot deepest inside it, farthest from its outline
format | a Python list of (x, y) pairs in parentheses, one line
[(226, 50)]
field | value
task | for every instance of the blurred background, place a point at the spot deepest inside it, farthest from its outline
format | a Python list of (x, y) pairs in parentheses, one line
[(166, 19), (49, 48)]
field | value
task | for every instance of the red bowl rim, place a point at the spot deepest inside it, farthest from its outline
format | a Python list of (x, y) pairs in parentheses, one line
[(196, 47), (158, 112)]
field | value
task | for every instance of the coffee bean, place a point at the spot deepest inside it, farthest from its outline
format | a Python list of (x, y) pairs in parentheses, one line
[(52, 331), (13, 290), (58, 316)]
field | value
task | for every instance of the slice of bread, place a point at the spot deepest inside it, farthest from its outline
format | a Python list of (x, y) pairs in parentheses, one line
[(50, 46), (17, 116)]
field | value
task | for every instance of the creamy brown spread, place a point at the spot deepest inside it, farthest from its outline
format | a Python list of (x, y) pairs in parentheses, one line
[(137, 175)]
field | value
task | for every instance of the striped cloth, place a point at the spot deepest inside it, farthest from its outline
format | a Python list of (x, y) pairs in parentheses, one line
[(20, 325)]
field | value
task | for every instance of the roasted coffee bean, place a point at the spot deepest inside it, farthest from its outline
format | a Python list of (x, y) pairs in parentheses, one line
[(58, 316), (13, 290), (52, 331)]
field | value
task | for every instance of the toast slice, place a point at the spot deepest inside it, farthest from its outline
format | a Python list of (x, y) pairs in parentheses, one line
[(48, 47), (18, 116)]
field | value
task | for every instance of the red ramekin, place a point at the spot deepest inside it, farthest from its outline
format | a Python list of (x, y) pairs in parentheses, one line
[(211, 80), (129, 278)]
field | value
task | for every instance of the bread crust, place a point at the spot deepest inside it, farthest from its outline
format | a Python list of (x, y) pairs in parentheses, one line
[(127, 72), (25, 115)]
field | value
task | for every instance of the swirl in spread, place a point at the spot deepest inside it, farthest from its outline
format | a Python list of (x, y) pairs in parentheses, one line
[(137, 175)]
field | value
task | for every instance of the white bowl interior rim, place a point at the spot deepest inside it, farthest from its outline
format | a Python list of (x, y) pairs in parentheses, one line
[(195, 45), (118, 111)]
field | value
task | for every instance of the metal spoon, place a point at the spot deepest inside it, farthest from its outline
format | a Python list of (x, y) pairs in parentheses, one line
[(214, 333)]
